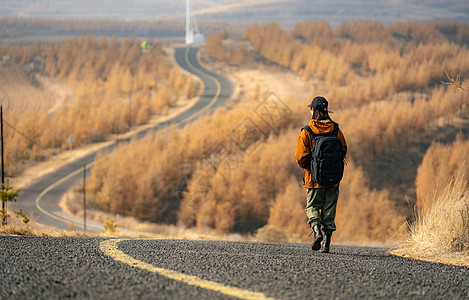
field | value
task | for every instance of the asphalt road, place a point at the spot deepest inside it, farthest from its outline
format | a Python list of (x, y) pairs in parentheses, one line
[(40, 200), (97, 268)]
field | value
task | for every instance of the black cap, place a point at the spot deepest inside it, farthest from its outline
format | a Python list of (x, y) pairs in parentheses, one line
[(319, 103)]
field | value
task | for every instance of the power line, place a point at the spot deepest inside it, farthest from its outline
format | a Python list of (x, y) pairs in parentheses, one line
[(34, 141)]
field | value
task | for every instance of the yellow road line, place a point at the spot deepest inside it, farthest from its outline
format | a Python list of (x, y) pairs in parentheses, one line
[(216, 81), (52, 186), (110, 248)]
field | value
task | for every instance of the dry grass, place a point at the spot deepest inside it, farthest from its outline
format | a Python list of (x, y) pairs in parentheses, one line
[(127, 227), (16, 227), (71, 203), (441, 230)]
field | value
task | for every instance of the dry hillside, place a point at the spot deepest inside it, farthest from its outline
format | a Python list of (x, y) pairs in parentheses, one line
[(384, 85), (87, 88)]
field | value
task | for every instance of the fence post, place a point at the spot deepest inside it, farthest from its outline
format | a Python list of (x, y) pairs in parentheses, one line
[(3, 164)]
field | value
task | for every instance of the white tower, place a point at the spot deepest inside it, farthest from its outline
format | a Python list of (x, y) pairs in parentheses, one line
[(193, 35), (189, 30)]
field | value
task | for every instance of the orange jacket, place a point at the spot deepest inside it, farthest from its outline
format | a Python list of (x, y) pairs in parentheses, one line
[(305, 145)]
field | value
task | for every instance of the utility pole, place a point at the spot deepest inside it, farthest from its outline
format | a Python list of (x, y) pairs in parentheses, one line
[(84, 197), (130, 110), (3, 164)]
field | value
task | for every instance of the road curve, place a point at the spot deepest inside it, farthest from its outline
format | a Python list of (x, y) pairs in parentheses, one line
[(40, 199), (98, 268)]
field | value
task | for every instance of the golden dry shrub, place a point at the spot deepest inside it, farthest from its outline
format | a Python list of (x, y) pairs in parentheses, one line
[(393, 124), (194, 191), (214, 45), (245, 185), (161, 104), (287, 211), (441, 227), (313, 31), (190, 88), (139, 179), (440, 164), (364, 215)]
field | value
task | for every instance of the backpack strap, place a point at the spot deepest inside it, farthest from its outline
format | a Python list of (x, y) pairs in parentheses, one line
[(336, 129), (309, 130)]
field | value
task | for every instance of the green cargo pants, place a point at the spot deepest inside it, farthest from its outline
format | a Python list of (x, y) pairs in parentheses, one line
[(321, 206)]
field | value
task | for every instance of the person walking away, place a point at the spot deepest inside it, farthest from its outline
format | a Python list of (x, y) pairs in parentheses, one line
[(321, 151)]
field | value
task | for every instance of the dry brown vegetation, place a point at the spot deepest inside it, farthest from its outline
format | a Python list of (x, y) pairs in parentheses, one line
[(440, 231), (365, 62), (230, 189), (116, 86), (214, 46), (440, 164), (385, 83)]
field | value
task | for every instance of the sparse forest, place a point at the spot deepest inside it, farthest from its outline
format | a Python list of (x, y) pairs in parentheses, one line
[(384, 84), (407, 132), (116, 86)]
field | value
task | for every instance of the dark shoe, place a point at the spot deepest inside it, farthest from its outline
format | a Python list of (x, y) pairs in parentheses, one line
[(326, 244), (316, 245)]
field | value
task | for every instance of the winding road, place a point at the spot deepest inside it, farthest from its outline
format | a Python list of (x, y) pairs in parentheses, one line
[(101, 268), (40, 200)]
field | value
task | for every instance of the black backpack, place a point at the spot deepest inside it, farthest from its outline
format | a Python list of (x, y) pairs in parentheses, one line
[(327, 157)]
